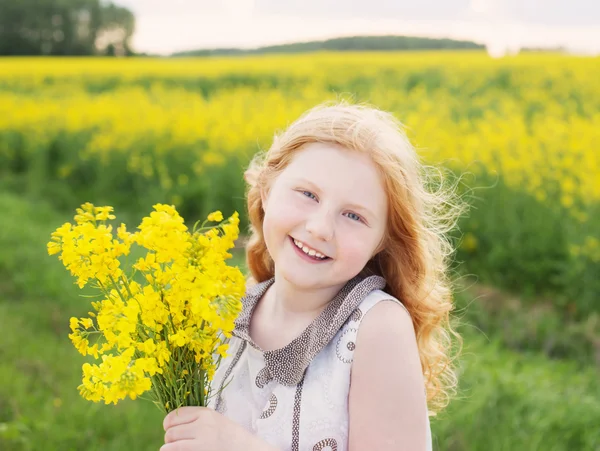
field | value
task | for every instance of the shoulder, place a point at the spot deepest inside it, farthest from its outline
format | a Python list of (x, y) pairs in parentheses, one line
[(387, 386), (380, 305), (386, 340), (386, 323)]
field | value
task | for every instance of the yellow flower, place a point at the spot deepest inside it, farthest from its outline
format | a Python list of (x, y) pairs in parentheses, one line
[(103, 213), (74, 324), (163, 355), (80, 343), (148, 347), (180, 338), (173, 316), (148, 365), (85, 213), (470, 242), (53, 248), (94, 350), (215, 216), (222, 350)]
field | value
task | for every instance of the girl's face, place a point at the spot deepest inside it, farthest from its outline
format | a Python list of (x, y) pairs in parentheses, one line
[(330, 202)]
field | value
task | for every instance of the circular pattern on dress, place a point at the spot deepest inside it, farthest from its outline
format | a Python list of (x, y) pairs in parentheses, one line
[(345, 345), (326, 443), (271, 409), (263, 378)]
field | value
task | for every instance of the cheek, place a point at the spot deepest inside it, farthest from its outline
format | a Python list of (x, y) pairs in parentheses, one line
[(357, 248), (281, 215)]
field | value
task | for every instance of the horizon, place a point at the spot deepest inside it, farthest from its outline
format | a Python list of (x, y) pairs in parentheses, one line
[(502, 26)]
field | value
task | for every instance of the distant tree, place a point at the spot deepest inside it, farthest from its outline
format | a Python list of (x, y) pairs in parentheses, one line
[(110, 50), (63, 27), (353, 43), (118, 25)]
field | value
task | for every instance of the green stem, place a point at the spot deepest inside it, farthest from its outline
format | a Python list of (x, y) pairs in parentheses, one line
[(126, 283), (201, 387), (117, 289)]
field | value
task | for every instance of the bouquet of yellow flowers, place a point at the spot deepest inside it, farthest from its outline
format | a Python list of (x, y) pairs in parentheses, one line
[(162, 325)]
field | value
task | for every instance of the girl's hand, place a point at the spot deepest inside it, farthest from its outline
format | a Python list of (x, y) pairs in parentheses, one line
[(201, 428)]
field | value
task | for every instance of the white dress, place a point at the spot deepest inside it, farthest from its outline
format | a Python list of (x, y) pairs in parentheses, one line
[(296, 397)]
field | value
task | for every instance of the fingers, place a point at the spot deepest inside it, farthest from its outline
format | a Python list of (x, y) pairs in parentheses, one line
[(181, 445), (183, 415), (179, 432)]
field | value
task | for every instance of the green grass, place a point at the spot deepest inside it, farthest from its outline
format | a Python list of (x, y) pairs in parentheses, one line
[(520, 401), (527, 326), (39, 401), (508, 400)]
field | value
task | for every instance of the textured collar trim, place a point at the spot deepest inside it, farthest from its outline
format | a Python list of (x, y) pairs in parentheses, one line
[(287, 365)]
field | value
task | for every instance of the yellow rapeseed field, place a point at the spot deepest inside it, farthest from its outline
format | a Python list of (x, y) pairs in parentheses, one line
[(179, 126), (534, 118)]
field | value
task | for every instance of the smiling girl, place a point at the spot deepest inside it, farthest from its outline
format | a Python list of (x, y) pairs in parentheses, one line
[(344, 339)]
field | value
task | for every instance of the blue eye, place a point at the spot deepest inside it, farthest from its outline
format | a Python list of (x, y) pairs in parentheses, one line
[(309, 194), (354, 216)]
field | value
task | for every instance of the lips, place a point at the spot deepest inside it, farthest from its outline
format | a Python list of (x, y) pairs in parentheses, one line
[(312, 258)]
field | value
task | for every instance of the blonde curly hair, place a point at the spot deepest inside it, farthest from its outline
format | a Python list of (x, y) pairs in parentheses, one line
[(416, 252)]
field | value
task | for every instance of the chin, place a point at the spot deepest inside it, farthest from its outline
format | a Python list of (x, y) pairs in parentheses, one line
[(299, 280)]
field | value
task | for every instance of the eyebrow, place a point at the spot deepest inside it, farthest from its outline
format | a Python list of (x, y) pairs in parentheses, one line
[(357, 207)]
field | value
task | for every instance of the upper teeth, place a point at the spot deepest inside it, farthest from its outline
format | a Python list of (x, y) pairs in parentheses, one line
[(308, 250)]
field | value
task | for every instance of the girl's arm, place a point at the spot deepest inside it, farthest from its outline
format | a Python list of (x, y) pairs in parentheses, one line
[(387, 403)]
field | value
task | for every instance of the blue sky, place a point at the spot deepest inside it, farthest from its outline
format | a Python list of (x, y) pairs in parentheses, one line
[(167, 26)]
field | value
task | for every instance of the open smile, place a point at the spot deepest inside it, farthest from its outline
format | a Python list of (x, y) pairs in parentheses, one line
[(307, 252)]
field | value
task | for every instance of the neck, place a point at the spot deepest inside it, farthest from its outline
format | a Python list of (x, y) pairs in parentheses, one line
[(289, 301)]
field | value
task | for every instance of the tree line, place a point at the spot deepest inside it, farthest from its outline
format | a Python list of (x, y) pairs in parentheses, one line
[(94, 27), (64, 27), (354, 43)]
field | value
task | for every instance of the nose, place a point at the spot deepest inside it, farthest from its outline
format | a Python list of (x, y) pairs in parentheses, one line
[(321, 225)]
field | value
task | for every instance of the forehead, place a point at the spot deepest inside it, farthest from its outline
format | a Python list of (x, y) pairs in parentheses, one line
[(339, 171)]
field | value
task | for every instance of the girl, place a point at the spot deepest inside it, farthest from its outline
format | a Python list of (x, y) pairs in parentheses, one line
[(344, 337)]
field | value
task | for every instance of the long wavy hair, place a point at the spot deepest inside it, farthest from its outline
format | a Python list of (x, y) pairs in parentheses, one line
[(416, 251)]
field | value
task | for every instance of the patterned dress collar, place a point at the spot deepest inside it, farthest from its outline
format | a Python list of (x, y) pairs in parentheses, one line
[(287, 365)]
